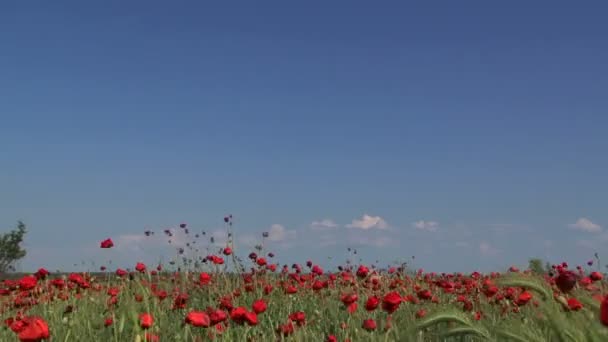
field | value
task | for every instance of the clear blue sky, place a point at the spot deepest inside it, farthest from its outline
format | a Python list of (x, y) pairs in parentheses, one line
[(486, 121)]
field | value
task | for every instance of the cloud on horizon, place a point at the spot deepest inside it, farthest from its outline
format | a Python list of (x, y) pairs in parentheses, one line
[(429, 226), (323, 224), (278, 233), (368, 222), (485, 248), (584, 224)]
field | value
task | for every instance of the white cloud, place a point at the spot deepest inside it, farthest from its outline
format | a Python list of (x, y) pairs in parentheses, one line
[(323, 224), (368, 222), (429, 226), (278, 232), (586, 225), (486, 249)]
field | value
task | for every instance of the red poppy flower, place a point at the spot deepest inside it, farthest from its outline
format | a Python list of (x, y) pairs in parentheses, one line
[(286, 329), (369, 324), (108, 321), (216, 316), (140, 267), (204, 278), (31, 329), (348, 299), (27, 282), (151, 337), (604, 311), (41, 273), (523, 298), (574, 304), (566, 281), (146, 320), (420, 313), (372, 303), (299, 317), (261, 261), (198, 319), (107, 243), (259, 306), (238, 314), (391, 302), (362, 271)]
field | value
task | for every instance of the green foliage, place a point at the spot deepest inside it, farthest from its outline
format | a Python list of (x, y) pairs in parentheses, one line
[(536, 266), (10, 249)]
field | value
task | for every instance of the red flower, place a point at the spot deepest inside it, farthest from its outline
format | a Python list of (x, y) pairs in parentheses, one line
[(424, 294), (299, 317), (261, 261), (391, 302), (216, 316), (240, 315), (108, 321), (566, 281), (574, 304), (180, 301), (595, 276), (259, 306), (204, 278), (286, 329), (348, 299), (372, 303), (146, 320), (27, 282), (362, 271), (151, 337), (291, 289), (107, 243), (31, 329), (198, 319), (251, 318), (121, 273), (604, 311), (227, 251), (217, 260), (523, 298), (140, 267), (41, 273), (420, 313), (369, 324)]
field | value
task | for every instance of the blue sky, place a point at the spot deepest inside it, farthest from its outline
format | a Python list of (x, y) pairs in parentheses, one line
[(472, 135)]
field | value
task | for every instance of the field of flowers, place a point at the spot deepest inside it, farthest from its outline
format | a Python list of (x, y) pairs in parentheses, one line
[(265, 301)]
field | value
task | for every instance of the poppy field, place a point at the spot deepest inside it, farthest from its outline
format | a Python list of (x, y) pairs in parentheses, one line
[(232, 295)]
